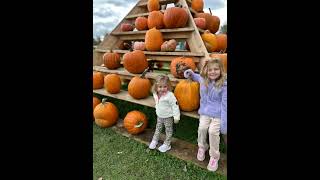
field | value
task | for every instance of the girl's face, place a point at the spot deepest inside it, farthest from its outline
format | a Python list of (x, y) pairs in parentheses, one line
[(162, 88), (214, 72)]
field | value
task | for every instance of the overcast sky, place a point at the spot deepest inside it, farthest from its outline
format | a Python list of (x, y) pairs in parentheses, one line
[(108, 13)]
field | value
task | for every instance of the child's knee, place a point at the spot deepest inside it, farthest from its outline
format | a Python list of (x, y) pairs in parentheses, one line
[(214, 131)]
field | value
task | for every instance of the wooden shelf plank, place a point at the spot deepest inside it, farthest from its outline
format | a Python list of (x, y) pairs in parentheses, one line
[(174, 30), (161, 2), (139, 15), (149, 101), (175, 53)]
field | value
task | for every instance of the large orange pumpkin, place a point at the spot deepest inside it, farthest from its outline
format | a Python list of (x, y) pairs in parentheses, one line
[(197, 5), (135, 61), (212, 22), (222, 42), (187, 94), (141, 23), (135, 122), (153, 5), (210, 41), (175, 17), (96, 101), (106, 114), (223, 58), (153, 40), (111, 60), (97, 80), (112, 83), (155, 19), (181, 60), (139, 87)]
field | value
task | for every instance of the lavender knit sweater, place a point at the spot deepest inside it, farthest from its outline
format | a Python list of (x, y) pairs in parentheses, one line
[(213, 103)]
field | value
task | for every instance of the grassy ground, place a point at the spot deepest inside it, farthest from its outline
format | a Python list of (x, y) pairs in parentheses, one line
[(118, 157)]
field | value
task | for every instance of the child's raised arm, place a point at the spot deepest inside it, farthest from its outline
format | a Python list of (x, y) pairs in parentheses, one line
[(194, 76)]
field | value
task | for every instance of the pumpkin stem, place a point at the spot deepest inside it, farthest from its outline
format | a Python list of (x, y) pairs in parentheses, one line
[(139, 124), (144, 72), (104, 100), (210, 11)]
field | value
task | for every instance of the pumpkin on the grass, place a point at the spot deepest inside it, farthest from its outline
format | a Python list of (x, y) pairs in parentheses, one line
[(187, 94), (139, 87), (184, 61), (112, 83), (111, 60), (97, 80), (105, 114), (96, 101), (135, 122), (135, 62)]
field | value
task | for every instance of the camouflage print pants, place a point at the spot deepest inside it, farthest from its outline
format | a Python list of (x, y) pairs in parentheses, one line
[(168, 122)]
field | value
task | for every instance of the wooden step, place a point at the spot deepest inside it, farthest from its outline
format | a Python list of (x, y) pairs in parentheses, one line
[(175, 53), (139, 15), (181, 149), (174, 30), (149, 101), (161, 2), (167, 34)]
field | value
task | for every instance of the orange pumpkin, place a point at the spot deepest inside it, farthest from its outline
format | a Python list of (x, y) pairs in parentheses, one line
[(96, 101), (112, 83), (141, 23), (106, 114), (139, 87), (223, 58), (97, 80), (135, 122), (153, 40), (175, 17), (197, 5), (135, 61), (222, 42), (111, 60), (155, 19), (211, 40), (153, 5), (181, 60), (213, 22), (187, 94)]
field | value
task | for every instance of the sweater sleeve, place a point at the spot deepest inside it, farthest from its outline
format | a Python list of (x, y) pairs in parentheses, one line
[(224, 121), (194, 76), (175, 107)]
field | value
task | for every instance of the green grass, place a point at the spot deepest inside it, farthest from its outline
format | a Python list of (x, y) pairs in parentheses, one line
[(118, 157)]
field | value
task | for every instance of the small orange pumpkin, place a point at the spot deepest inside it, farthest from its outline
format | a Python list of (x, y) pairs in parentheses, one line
[(97, 80), (153, 39), (112, 83), (197, 5), (106, 114), (222, 42), (135, 61), (139, 87), (155, 19), (96, 101), (187, 94), (181, 60), (111, 60), (211, 40), (141, 23), (223, 58), (153, 5), (135, 122)]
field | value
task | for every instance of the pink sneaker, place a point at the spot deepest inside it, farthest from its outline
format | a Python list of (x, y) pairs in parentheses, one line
[(201, 154), (213, 164)]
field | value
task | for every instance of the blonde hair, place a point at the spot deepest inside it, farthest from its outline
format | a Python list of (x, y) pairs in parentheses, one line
[(204, 73), (162, 79)]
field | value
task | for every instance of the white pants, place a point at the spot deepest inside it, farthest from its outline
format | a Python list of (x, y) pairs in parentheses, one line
[(211, 125)]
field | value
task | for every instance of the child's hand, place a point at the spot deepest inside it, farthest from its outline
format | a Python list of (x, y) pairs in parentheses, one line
[(176, 121)]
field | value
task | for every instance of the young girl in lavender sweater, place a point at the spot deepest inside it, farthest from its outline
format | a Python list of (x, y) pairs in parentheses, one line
[(213, 109)]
